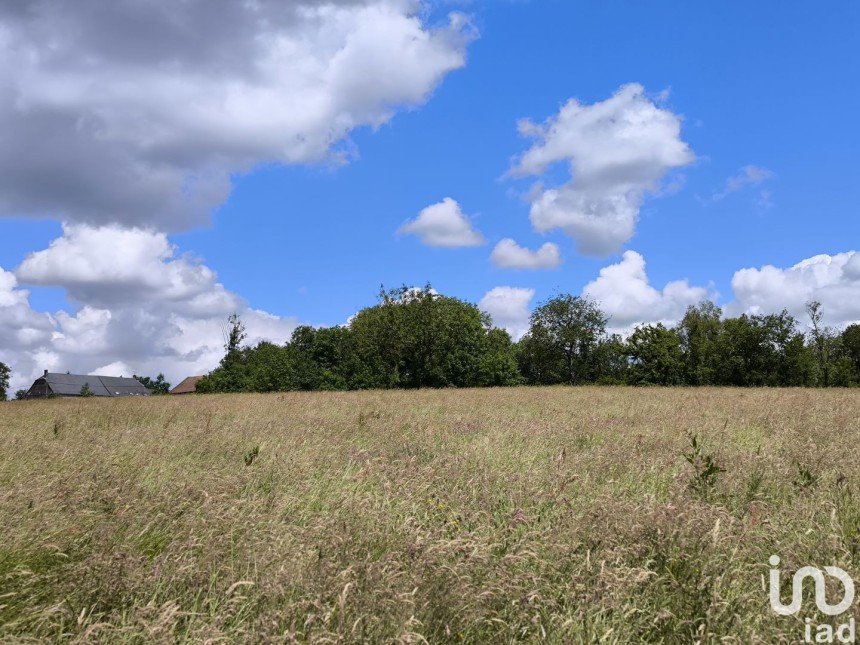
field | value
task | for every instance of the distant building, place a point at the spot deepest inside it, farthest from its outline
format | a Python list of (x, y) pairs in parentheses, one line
[(51, 384), (188, 386)]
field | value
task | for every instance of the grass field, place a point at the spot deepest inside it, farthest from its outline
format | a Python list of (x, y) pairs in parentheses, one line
[(558, 514)]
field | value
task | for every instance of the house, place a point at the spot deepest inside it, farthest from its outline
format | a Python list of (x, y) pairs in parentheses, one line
[(188, 386), (51, 384)]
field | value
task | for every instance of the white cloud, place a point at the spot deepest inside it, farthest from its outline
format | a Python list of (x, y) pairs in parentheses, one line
[(140, 112), (510, 255), (617, 150), (110, 265), (624, 292), (746, 177), (143, 309), (443, 224), (833, 280), (509, 308), (21, 328)]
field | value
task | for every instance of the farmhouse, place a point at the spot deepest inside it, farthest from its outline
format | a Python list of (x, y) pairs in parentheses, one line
[(187, 386), (51, 384)]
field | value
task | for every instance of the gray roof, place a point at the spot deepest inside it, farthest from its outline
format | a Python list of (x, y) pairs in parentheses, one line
[(71, 385)]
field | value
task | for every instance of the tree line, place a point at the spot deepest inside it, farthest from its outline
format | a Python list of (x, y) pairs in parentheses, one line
[(417, 338)]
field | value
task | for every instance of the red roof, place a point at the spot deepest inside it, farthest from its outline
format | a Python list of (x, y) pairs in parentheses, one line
[(188, 386)]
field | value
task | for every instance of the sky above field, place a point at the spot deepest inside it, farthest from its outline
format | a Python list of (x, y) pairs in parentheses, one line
[(165, 164)]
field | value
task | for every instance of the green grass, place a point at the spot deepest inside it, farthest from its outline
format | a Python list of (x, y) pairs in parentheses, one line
[(526, 514)]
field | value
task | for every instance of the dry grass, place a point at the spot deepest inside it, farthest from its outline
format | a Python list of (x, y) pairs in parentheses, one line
[(551, 514)]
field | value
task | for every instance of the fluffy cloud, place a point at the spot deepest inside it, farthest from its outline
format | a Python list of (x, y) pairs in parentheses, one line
[(509, 308), (443, 224), (20, 326), (617, 150), (510, 255), (142, 310), (624, 292), (140, 112), (833, 280), (112, 266)]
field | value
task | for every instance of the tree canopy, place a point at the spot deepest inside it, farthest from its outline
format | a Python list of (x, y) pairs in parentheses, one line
[(4, 380), (415, 338)]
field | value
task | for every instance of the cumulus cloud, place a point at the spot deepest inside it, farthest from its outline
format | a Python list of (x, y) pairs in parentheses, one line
[(510, 255), (509, 308), (142, 308), (833, 280), (110, 265), (20, 327), (617, 150), (625, 293), (443, 224), (140, 112)]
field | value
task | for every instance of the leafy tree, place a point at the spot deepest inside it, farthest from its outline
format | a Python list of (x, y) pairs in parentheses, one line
[(561, 344), (20, 395), (655, 356), (851, 351), (86, 391), (851, 344), (821, 340), (231, 373), (4, 380), (234, 335), (323, 359), (498, 364), (412, 338), (418, 338), (157, 385), (697, 332), (612, 361), (268, 368), (761, 350)]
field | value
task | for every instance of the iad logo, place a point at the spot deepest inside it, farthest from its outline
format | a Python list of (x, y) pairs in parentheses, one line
[(824, 633)]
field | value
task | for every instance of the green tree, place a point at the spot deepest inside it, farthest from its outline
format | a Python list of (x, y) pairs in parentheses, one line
[(655, 356), (498, 363), (234, 335), (231, 373), (697, 332), (418, 338), (850, 338), (612, 361), (86, 391), (761, 350), (269, 368), (155, 385), (821, 339), (4, 380), (561, 344), (323, 358)]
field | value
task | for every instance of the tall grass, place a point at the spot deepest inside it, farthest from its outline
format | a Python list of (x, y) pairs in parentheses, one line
[(557, 514)]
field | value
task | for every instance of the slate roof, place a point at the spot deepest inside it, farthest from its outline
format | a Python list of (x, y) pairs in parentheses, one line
[(187, 386), (71, 385)]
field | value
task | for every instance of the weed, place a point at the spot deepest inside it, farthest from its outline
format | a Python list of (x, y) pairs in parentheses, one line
[(805, 479), (705, 468), (251, 455)]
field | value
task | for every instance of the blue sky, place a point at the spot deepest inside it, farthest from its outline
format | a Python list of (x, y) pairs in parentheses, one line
[(766, 86)]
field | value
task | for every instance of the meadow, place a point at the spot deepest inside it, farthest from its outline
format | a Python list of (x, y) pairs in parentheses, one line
[(489, 515)]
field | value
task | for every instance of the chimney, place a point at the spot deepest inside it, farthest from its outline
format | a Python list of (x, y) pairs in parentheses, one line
[(46, 372)]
